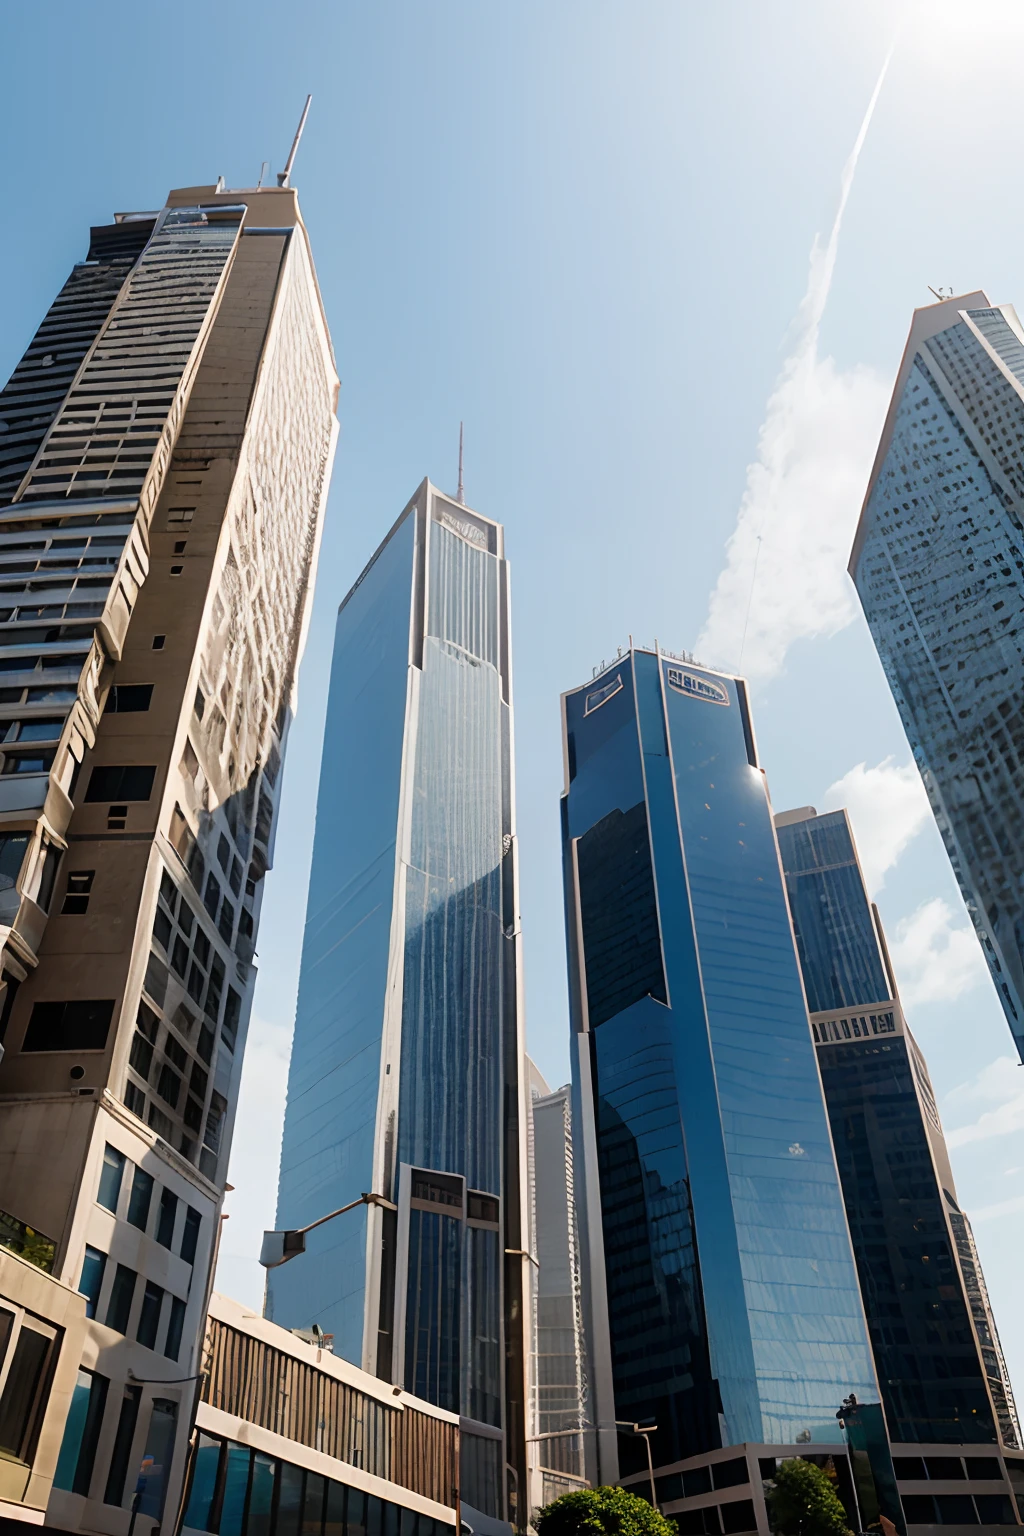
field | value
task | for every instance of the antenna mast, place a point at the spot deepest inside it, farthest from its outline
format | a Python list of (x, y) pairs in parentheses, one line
[(460, 495), (283, 176)]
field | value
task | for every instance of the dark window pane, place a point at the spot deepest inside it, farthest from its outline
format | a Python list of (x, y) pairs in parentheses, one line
[(122, 1293), (982, 1466), (909, 1469), (149, 1315), (355, 1517), (204, 1483), (289, 1500), (157, 1456), (201, 948), (111, 1175), (129, 699), (190, 1236), (91, 1279), (179, 957), (955, 1509), (162, 928), (945, 1467), (994, 1509), (739, 1516), (621, 936), (373, 1516), (81, 1432), (175, 1324), (236, 1483), (119, 1460), (166, 1218), (261, 1495), (729, 1474), (313, 1505), (69, 1026), (334, 1522), (141, 1055), (169, 1086), (140, 1199), (131, 783), (20, 1405)]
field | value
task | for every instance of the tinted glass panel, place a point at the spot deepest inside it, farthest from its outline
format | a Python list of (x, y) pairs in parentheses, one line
[(621, 937), (111, 1174)]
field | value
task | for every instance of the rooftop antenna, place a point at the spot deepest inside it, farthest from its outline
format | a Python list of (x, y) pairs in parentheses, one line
[(940, 293), (264, 168), (283, 176), (460, 494)]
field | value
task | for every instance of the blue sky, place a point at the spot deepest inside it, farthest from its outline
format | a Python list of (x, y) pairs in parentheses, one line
[(586, 229)]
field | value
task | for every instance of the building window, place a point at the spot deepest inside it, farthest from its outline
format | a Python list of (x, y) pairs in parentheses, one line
[(24, 1394), (131, 699), (190, 1235), (76, 900), (132, 782), (157, 1457), (12, 856), (158, 642), (111, 1174), (120, 1459), (166, 1219), (149, 1315), (122, 1294), (81, 1433), (22, 1239), (141, 1196), (48, 875), (71, 1025), (175, 1326)]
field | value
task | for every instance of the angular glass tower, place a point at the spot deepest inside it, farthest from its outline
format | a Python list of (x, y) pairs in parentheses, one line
[(165, 449), (722, 1299), (937, 1352), (938, 563), (407, 1072)]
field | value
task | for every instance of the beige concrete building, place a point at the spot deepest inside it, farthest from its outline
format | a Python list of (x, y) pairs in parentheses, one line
[(165, 450)]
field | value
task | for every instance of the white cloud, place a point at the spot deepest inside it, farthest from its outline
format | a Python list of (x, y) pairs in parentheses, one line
[(1001, 1208), (887, 806), (934, 961), (998, 1090), (785, 572)]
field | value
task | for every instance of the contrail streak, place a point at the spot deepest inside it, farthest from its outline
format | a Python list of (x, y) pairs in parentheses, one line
[(787, 490)]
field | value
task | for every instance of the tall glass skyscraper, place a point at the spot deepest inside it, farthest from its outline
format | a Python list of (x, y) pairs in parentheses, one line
[(937, 1353), (938, 563), (407, 1073), (722, 1300)]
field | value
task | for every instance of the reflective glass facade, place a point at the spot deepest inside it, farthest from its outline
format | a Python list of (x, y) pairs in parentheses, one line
[(938, 565), (937, 1354), (406, 1065), (732, 1310)]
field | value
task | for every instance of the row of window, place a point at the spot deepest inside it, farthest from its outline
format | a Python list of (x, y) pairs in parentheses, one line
[(76, 1463), (947, 1468), (121, 1299), (958, 1509), (697, 1480), (139, 1203), (716, 1519), (235, 1491)]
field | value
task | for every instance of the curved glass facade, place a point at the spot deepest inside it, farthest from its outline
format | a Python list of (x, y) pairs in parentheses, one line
[(733, 1312)]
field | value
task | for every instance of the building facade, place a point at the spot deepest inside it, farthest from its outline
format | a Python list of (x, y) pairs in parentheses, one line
[(407, 1072), (165, 448), (291, 1438), (560, 1436), (938, 1358), (722, 1301), (938, 563)]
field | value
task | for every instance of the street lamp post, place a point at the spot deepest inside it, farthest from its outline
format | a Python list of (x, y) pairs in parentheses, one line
[(646, 1430), (279, 1247)]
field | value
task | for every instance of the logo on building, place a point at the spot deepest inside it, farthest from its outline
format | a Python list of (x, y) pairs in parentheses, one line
[(465, 530), (696, 687)]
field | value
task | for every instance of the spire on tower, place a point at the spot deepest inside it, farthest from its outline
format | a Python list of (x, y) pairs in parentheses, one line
[(460, 495)]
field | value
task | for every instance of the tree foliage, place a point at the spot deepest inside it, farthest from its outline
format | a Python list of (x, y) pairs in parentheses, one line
[(602, 1512), (803, 1502)]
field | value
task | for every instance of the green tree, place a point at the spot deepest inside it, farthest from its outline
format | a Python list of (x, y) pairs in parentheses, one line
[(803, 1502), (602, 1512)]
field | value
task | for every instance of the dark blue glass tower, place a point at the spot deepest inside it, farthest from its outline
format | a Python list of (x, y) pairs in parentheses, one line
[(938, 563), (406, 1070), (937, 1352), (723, 1299)]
